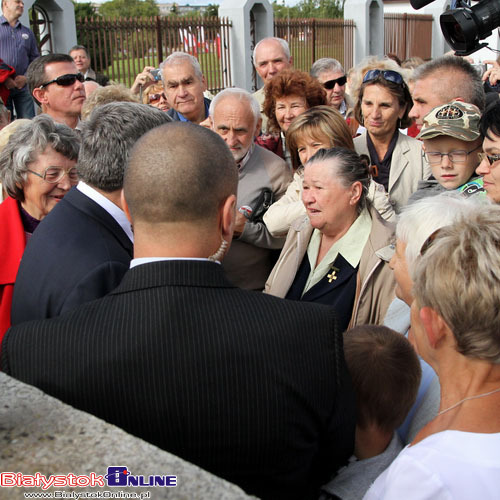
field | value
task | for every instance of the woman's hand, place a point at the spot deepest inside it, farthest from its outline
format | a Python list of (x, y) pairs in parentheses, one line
[(144, 79)]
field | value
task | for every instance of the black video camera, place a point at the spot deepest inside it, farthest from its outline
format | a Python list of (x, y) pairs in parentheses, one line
[(464, 26)]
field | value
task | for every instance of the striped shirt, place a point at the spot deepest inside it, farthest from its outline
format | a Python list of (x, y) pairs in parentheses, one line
[(17, 45)]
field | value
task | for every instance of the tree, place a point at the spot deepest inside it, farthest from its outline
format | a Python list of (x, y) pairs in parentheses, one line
[(83, 10), (129, 8), (212, 10), (321, 9)]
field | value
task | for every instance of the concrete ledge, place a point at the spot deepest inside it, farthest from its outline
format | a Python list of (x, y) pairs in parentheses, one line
[(41, 434)]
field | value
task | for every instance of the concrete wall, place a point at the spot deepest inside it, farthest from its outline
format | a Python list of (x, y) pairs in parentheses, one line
[(238, 11)]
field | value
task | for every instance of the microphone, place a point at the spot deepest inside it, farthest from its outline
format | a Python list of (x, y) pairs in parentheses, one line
[(418, 4)]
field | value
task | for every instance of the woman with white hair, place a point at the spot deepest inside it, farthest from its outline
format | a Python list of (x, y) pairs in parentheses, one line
[(456, 323), (416, 226), (37, 168)]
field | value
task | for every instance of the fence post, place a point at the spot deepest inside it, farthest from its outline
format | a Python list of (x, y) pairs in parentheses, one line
[(368, 16), (238, 12), (159, 45), (314, 40)]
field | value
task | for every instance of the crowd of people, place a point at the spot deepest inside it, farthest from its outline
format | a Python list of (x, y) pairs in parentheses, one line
[(295, 289)]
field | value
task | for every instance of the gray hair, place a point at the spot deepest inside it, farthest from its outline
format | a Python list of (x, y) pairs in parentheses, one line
[(107, 138), (459, 278), (106, 95), (457, 78), (241, 95), (29, 140), (283, 43), (347, 168), (326, 64), (180, 57), (419, 220)]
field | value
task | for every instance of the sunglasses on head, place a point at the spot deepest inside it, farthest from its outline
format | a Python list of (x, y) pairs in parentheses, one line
[(390, 76), (65, 80), (330, 84)]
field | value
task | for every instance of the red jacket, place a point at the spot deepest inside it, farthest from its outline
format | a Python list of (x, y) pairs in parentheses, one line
[(5, 72), (12, 244)]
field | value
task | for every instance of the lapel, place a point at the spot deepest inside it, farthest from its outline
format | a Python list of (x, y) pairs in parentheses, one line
[(91, 209), (176, 273), (399, 159), (343, 272)]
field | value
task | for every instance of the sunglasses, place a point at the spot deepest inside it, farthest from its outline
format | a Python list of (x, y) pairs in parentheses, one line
[(390, 76), (157, 97), (65, 80), (490, 158), (330, 84)]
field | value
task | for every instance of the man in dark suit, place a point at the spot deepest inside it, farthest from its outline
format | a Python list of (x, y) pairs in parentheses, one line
[(81, 252), (248, 386)]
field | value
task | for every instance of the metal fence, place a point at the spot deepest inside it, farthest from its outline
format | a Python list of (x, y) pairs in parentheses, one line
[(408, 35), (311, 39), (121, 48)]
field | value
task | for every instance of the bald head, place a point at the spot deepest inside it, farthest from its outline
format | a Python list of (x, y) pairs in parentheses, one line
[(179, 172)]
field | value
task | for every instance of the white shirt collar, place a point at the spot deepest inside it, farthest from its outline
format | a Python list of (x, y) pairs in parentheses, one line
[(147, 260), (116, 212)]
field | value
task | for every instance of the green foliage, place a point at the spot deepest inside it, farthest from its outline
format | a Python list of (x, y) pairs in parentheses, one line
[(83, 10), (211, 11), (129, 8), (319, 9)]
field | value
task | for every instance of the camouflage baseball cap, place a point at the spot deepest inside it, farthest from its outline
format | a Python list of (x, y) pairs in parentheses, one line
[(455, 119)]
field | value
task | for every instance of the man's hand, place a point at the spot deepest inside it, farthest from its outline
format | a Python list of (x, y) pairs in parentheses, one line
[(239, 224), (9, 83), (20, 81), (492, 74), (144, 79)]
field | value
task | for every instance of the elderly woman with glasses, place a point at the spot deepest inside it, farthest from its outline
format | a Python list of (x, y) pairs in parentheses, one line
[(154, 95), (382, 106), (37, 168)]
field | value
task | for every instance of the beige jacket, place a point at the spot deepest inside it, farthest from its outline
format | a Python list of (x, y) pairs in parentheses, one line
[(407, 168), (375, 280)]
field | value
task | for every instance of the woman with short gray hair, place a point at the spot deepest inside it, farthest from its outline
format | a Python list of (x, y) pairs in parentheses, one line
[(37, 168), (455, 322)]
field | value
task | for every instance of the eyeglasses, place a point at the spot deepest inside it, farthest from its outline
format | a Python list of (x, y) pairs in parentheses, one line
[(390, 76), (460, 156), (157, 97), (65, 80), (491, 158), (330, 84), (53, 175)]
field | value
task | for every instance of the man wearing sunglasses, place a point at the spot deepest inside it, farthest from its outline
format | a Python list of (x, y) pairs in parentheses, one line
[(330, 73), (57, 86)]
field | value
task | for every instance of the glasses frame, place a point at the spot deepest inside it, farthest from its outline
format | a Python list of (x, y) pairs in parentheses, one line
[(490, 158), (387, 74), (449, 155), (330, 84), (72, 77), (65, 171), (159, 94)]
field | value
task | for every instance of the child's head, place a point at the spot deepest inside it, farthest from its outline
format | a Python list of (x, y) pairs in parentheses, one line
[(385, 372), (452, 129)]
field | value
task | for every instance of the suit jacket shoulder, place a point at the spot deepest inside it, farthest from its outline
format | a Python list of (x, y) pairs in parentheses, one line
[(250, 387), (78, 253)]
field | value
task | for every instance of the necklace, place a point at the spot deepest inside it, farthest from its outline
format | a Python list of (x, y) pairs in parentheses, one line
[(467, 399)]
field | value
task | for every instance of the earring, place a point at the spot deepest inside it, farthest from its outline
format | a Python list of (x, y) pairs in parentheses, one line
[(219, 255)]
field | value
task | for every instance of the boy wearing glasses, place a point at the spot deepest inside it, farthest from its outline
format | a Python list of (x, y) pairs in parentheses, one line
[(452, 145)]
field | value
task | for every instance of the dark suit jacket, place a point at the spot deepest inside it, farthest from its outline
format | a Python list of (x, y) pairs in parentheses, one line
[(78, 253), (250, 387)]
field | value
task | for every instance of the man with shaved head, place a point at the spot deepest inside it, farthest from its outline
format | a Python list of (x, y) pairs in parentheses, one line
[(248, 386), (443, 80)]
